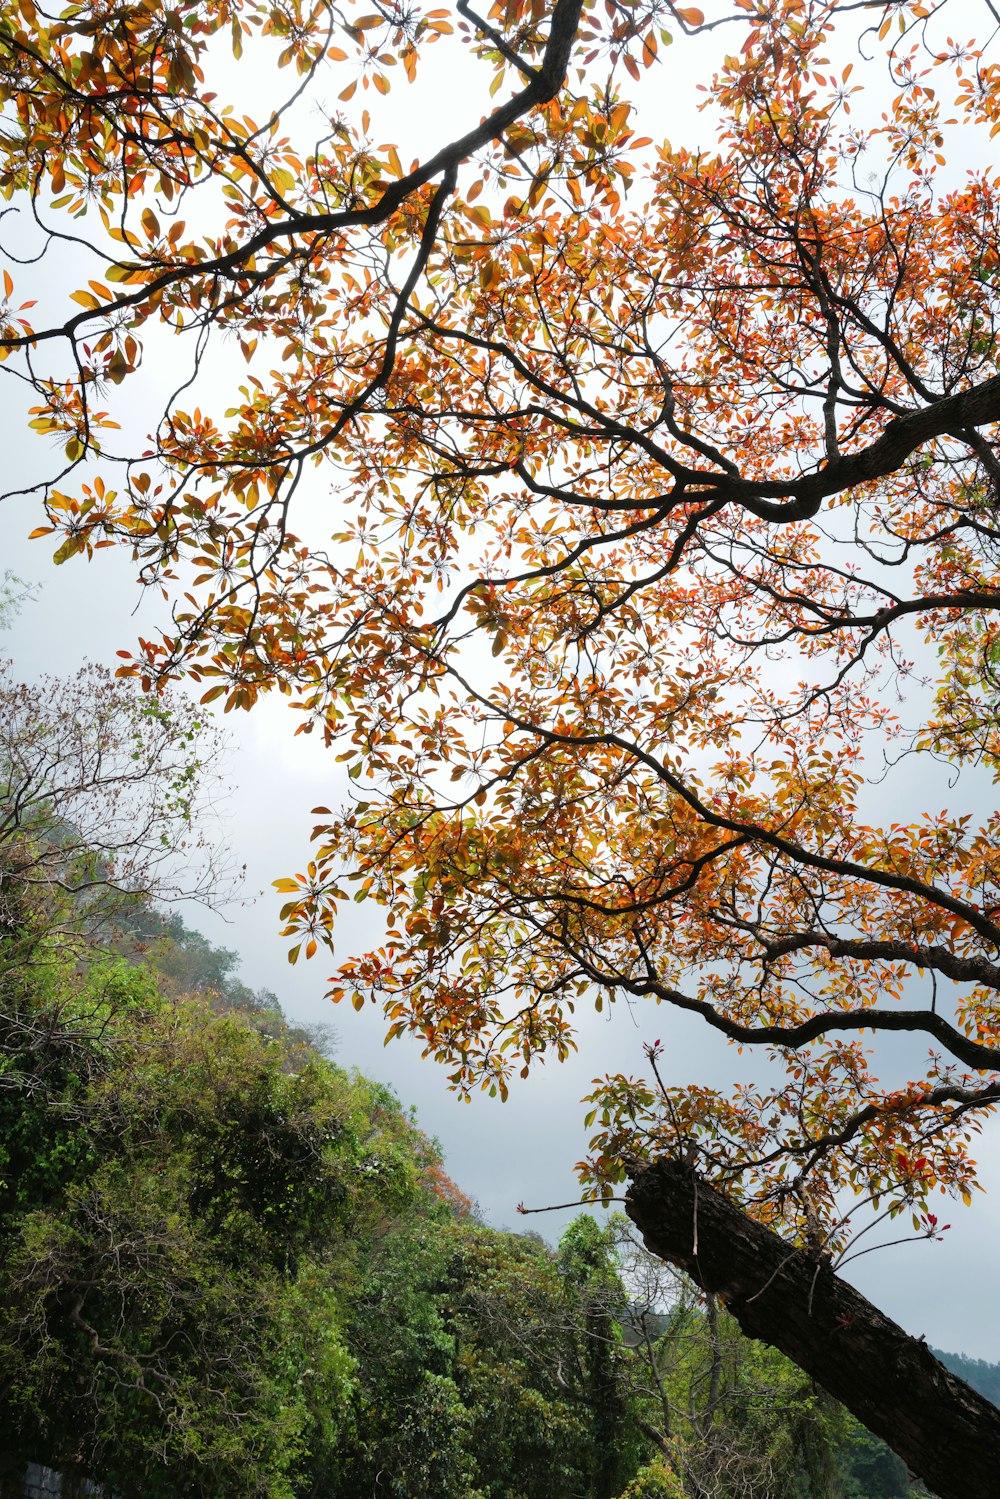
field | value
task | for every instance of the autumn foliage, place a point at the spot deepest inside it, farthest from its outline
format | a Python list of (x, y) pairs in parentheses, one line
[(623, 513)]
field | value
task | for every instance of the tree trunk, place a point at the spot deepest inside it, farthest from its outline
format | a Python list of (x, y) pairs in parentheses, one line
[(947, 1433)]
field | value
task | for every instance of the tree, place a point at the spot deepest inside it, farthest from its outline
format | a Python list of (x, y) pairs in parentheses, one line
[(588, 1267), (490, 1365), (651, 519), (105, 792)]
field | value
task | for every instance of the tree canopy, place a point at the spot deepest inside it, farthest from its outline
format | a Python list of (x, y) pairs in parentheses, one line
[(663, 550)]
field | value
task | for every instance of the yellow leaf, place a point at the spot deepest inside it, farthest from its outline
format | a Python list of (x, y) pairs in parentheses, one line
[(490, 275), (124, 273), (74, 544), (118, 367)]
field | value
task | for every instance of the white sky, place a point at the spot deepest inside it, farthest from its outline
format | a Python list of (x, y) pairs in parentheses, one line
[(498, 1153)]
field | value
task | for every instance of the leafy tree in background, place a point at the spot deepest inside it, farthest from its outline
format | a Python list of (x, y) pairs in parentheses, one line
[(589, 1268), (725, 1415), (473, 1366), (870, 1469), (12, 594), (646, 511), (105, 795)]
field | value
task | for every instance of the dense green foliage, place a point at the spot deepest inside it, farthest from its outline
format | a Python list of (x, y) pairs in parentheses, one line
[(172, 1215)]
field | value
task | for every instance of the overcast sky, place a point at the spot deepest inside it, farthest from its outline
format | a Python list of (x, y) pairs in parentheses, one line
[(500, 1154)]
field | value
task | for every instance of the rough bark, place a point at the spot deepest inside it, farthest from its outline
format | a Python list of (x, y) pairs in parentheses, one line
[(946, 1432)]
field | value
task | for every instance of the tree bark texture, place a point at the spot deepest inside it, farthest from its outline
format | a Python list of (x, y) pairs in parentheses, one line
[(947, 1433)]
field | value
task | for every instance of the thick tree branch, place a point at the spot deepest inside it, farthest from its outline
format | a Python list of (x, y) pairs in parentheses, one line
[(947, 1433), (952, 965), (776, 500), (977, 407), (972, 1053)]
